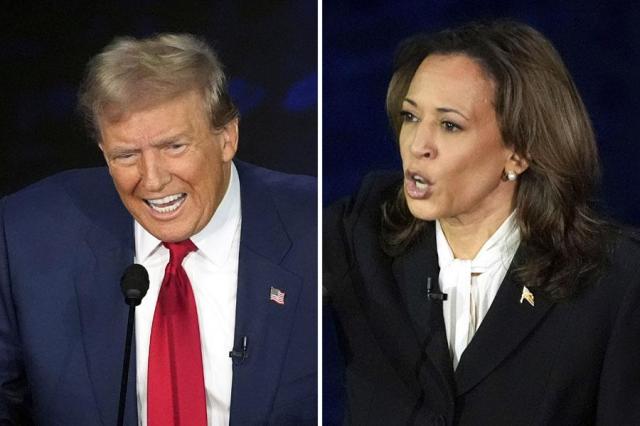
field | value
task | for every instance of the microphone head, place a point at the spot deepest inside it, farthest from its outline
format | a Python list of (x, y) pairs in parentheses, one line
[(134, 284)]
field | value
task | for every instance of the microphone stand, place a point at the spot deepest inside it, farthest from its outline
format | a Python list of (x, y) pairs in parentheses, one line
[(125, 364), (134, 285)]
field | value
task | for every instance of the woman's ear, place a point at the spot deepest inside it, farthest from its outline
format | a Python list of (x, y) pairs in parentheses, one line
[(516, 163)]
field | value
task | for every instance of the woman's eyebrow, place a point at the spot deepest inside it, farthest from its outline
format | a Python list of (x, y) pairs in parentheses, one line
[(452, 110), (440, 109), (411, 101)]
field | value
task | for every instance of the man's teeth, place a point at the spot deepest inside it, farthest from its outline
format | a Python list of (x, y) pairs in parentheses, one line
[(167, 204), (165, 200)]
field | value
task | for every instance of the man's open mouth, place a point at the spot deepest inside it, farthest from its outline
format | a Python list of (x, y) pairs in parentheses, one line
[(167, 204)]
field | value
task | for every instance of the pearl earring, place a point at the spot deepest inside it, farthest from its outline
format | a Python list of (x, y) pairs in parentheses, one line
[(511, 175)]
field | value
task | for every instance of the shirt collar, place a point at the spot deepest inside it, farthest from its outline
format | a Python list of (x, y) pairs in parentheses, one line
[(215, 239), (501, 245)]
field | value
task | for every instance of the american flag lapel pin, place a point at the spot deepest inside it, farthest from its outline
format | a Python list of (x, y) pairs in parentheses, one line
[(527, 295), (277, 295)]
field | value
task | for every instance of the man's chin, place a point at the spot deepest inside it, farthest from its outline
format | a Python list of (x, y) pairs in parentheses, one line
[(169, 236), (169, 231)]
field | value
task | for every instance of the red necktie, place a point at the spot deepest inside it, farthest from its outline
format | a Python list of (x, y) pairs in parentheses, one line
[(175, 386)]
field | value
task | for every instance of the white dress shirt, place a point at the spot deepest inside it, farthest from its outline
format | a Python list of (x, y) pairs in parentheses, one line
[(213, 272), (471, 285)]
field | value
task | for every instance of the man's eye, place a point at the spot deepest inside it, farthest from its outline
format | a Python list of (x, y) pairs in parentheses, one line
[(176, 147), (450, 126), (124, 158), (408, 117)]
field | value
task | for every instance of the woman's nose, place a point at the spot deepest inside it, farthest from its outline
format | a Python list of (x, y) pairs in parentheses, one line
[(422, 143)]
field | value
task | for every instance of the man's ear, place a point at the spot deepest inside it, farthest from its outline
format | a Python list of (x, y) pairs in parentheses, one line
[(229, 133), (104, 154)]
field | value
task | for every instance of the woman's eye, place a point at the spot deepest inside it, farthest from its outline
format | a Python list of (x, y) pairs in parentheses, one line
[(450, 126), (408, 117)]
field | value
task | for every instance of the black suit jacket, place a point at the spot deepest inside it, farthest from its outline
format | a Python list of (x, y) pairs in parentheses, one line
[(575, 362)]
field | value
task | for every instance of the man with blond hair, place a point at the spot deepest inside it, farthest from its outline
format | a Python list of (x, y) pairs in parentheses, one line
[(227, 331)]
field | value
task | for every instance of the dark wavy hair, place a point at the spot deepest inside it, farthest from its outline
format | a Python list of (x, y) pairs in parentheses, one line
[(542, 117)]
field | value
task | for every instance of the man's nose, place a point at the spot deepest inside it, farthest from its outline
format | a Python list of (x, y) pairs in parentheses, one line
[(153, 172)]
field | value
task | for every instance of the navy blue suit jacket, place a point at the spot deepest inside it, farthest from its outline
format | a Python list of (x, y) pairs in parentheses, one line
[(64, 243)]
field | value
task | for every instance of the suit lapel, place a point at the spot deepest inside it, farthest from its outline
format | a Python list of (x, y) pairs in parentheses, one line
[(382, 301), (507, 323), (103, 313), (412, 270), (266, 324)]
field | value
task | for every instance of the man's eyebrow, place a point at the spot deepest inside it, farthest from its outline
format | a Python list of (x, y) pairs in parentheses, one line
[(168, 140), (119, 150)]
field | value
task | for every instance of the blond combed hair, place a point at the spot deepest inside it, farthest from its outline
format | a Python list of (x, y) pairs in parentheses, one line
[(131, 74)]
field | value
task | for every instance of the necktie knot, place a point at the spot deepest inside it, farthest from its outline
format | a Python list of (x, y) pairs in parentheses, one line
[(178, 251)]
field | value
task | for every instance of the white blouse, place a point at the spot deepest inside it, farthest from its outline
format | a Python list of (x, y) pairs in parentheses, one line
[(471, 285)]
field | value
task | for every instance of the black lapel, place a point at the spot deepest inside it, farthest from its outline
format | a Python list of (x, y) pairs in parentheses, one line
[(412, 270), (375, 287), (507, 323)]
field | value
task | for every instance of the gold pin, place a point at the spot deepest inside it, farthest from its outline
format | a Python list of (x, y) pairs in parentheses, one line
[(527, 295)]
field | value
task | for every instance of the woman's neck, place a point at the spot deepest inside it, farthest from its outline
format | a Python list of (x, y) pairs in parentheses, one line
[(466, 236)]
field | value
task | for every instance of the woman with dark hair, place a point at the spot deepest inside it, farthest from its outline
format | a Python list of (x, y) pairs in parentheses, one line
[(480, 287)]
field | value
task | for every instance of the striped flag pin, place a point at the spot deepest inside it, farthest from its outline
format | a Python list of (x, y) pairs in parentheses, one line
[(277, 295)]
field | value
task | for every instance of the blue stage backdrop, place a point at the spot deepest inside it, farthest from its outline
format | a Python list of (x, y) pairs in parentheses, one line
[(599, 42), (269, 50)]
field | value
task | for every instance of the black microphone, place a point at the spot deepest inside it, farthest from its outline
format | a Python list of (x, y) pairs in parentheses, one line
[(434, 294), (134, 285), (239, 355)]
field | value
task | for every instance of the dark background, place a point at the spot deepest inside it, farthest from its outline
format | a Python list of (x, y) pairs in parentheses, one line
[(598, 40), (269, 50)]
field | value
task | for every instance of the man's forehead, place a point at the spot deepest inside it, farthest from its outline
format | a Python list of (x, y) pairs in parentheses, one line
[(139, 128), (113, 112)]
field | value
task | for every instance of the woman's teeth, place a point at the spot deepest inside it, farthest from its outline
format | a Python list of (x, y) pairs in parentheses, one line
[(420, 183)]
